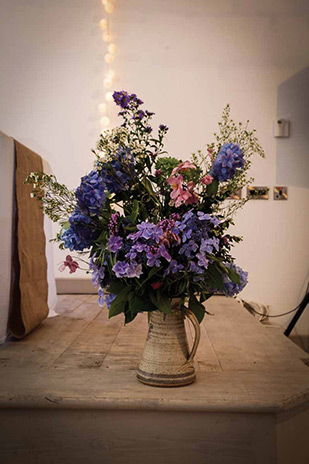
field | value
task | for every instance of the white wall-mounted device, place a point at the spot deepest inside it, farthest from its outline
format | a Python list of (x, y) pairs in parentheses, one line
[(281, 128)]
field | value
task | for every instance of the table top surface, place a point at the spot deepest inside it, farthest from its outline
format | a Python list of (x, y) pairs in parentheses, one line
[(82, 359)]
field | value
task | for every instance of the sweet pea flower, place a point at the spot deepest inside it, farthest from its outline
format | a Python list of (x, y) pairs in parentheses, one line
[(183, 167), (70, 263), (192, 196), (207, 180)]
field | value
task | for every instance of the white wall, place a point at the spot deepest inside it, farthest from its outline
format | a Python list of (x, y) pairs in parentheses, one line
[(186, 59)]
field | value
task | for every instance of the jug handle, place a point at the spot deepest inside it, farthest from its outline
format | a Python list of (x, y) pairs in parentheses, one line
[(192, 317)]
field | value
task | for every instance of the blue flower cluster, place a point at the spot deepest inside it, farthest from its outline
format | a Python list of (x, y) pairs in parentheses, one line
[(91, 194), (228, 161), (82, 232), (117, 174), (230, 288)]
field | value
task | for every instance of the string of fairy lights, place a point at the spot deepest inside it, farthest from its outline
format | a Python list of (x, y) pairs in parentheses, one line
[(109, 58)]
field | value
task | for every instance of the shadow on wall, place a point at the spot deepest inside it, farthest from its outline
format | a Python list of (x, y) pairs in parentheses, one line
[(292, 157)]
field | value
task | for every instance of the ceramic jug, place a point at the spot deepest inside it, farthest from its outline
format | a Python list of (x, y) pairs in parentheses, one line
[(166, 360)]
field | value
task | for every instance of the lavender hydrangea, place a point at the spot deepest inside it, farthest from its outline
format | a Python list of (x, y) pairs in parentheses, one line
[(115, 243), (91, 193), (229, 160), (230, 288)]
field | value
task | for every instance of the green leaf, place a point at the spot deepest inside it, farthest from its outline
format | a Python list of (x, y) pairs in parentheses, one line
[(119, 303), (154, 300), (116, 287), (137, 304), (135, 210), (164, 303), (128, 317), (212, 188), (197, 308), (215, 277)]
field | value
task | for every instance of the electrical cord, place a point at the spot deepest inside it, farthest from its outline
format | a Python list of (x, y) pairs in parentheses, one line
[(304, 300)]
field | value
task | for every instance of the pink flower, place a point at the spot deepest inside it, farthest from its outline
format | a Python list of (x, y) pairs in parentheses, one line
[(183, 167), (207, 180), (192, 196), (70, 263), (179, 195)]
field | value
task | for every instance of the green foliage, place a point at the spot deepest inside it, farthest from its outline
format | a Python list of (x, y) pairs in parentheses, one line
[(57, 201)]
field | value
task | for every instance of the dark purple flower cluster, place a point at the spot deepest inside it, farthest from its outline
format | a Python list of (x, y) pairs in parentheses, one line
[(125, 100), (229, 160), (82, 232), (91, 194)]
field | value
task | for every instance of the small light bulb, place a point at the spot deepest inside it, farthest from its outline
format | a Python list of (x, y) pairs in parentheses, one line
[(109, 58), (109, 8), (110, 74), (103, 24), (109, 96), (104, 2), (105, 121), (106, 37), (112, 48), (107, 83), (102, 107)]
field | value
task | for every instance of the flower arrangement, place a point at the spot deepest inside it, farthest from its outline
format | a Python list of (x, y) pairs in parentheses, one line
[(153, 227)]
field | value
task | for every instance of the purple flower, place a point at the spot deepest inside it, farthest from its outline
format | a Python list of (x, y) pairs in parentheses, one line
[(98, 273), (208, 244), (153, 258), (113, 224), (173, 268), (114, 244), (229, 160), (121, 98), (164, 253), (120, 269), (188, 249), (207, 217), (134, 270), (125, 100), (163, 128), (105, 298), (148, 231), (195, 268), (139, 115), (202, 260)]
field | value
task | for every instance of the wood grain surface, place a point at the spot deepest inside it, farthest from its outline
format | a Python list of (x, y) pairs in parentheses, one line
[(83, 359)]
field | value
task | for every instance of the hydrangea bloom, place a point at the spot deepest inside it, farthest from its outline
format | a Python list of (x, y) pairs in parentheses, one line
[(114, 244), (91, 194), (230, 288), (82, 232), (228, 161), (116, 174)]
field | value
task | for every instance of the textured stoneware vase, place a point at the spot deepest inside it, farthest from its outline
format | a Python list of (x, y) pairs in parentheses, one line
[(166, 360)]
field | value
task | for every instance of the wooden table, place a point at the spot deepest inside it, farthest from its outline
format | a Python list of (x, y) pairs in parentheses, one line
[(68, 393)]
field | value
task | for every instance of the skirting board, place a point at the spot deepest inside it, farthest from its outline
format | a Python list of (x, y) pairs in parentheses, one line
[(69, 286)]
